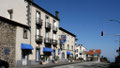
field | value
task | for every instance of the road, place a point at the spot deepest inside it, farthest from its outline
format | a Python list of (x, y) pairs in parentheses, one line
[(85, 65)]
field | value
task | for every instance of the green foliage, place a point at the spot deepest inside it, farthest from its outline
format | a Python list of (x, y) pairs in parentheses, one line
[(104, 59)]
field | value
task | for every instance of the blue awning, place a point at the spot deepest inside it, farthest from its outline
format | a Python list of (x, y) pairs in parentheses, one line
[(26, 46), (45, 49), (69, 53)]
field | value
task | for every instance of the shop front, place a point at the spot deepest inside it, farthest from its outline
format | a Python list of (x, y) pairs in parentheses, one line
[(26, 51), (47, 53), (69, 55)]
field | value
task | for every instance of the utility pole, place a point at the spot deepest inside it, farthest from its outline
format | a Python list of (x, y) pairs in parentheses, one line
[(117, 59)]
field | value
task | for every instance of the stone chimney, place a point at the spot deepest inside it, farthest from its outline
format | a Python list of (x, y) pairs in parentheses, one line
[(57, 14)]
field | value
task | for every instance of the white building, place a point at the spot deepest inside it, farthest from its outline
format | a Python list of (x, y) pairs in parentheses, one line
[(80, 52)]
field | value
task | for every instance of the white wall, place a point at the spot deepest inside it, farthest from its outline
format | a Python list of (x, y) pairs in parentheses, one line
[(19, 10), (19, 40), (33, 31), (81, 50)]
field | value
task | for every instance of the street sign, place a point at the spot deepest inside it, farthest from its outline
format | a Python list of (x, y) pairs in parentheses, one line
[(63, 39)]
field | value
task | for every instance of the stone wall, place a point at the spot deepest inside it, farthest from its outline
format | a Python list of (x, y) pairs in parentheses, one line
[(7, 42)]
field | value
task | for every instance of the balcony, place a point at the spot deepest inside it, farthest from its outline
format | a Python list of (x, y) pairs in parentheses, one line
[(54, 42), (39, 22), (38, 39), (55, 28), (48, 25), (48, 40)]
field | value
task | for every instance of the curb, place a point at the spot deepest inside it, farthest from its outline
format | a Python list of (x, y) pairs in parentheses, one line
[(54, 65), (45, 66)]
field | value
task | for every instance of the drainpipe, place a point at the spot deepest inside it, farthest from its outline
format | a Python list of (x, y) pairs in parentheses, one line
[(29, 14)]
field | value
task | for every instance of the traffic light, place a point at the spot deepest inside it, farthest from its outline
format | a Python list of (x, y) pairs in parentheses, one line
[(102, 33)]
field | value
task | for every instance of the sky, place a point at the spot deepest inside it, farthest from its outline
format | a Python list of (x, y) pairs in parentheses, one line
[(86, 19)]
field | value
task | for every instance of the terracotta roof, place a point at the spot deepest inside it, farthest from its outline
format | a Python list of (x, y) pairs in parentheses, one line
[(92, 52)]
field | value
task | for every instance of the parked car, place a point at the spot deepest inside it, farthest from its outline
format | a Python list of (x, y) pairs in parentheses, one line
[(4, 64)]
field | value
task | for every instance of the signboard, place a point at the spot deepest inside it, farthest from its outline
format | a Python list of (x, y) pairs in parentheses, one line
[(95, 54), (63, 39), (58, 51)]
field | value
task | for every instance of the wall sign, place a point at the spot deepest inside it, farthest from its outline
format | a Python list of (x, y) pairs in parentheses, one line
[(6, 51), (63, 39)]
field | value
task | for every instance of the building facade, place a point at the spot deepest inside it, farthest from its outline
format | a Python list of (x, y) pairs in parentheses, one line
[(13, 35), (67, 44), (80, 52), (30, 34), (44, 34), (93, 55)]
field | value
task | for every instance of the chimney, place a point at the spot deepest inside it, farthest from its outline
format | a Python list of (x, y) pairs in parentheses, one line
[(57, 14), (10, 11)]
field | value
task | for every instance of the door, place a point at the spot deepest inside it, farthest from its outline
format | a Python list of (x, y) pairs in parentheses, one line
[(54, 54), (47, 59), (63, 56), (38, 55), (24, 59)]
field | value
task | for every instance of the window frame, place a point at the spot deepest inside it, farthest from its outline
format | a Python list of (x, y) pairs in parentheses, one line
[(25, 33)]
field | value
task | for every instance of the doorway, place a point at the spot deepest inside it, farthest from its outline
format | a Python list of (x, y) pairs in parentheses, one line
[(24, 59), (37, 54), (63, 56)]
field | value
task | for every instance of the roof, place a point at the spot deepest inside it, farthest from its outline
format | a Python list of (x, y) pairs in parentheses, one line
[(67, 31), (34, 4), (81, 46), (93, 51), (13, 22)]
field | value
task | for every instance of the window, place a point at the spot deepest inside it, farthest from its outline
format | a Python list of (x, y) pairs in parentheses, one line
[(68, 47), (63, 46), (72, 47), (54, 36), (54, 23), (72, 39), (25, 33), (47, 34), (37, 31), (58, 51), (77, 50), (37, 16), (47, 24), (47, 19)]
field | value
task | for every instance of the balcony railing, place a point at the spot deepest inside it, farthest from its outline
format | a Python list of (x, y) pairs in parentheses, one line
[(48, 25), (54, 42), (55, 28), (48, 40), (38, 39), (39, 22)]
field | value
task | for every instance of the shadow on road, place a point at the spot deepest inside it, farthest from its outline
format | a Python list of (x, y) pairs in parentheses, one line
[(113, 65)]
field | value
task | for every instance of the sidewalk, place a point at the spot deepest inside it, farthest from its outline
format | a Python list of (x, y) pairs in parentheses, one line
[(47, 65)]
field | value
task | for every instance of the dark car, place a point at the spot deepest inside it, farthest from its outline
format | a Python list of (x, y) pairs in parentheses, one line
[(4, 64)]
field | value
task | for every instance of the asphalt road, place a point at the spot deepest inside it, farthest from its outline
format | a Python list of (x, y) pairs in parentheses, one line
[(85, 65)]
